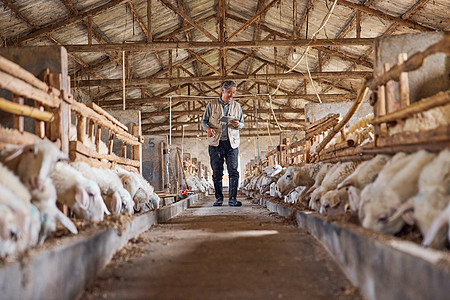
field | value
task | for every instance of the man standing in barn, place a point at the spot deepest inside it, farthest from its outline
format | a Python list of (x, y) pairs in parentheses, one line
[(222, 121)]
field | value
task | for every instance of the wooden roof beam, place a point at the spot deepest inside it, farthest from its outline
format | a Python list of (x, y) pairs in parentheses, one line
[(188, 19), (308, 97), (201, 111), (146, 81), (143, 47), (384, 16), (252, 19), (66, 22)]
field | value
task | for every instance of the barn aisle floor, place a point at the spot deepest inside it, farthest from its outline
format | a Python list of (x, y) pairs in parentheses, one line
[(223, 253)]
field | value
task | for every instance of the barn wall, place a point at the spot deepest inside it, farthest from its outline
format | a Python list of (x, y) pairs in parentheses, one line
[(432, 77), (318, 111)]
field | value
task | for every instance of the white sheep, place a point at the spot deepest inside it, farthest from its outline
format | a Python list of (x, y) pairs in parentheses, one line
[(433, 196), (10, 227), (116, 197), (395, 184), (364, 174), (438, 225), (139, 189), (32, 163), (44, 200), (331, 181), (323, 171), (82, 195), (334, 202), (295, 176)]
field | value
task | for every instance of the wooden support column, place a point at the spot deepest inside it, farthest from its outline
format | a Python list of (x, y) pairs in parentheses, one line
[(275, 56), (170, 66), (380, 107), (319, 57), (111, 142), (149, 22), (18, 120), (81, 129), (98, 138), (403, 82), (90, 29), (124, 149), (358, 24), (390, 92), (59, 128), (162, 166), (91, 130), (39, 124)]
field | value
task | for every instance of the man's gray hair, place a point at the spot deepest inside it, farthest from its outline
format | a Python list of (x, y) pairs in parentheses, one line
[(227, 84)]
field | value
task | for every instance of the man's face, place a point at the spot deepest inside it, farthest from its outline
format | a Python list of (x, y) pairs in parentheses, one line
[(228, 94)]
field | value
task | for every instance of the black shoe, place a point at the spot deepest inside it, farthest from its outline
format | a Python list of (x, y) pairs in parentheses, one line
[(218, 203), (234, 203)]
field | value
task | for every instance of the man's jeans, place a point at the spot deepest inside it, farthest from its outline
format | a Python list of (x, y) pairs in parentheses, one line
[(219, 154)]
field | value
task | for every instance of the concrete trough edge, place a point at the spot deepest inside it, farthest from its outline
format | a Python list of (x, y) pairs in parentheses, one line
[(387, 268), (65, 270)]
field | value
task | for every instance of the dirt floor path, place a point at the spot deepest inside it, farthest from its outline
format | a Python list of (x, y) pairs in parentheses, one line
[(223, 253)]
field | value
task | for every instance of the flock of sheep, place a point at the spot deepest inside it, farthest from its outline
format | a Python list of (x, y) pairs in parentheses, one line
[(387, 192), (33, 178)]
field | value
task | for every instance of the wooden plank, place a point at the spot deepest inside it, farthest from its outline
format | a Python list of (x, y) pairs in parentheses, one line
[(440, 99), (440, 134), (101, 120), (25, 110), (81, 129), (104, 113), (24, 89), (77, 146), (15, 137), (19, 72)]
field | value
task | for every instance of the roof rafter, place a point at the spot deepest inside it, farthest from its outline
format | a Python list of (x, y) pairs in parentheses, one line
[(188, 19)]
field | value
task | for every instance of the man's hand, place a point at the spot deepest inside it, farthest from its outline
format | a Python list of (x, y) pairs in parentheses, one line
[(235, 123), (211, 132)]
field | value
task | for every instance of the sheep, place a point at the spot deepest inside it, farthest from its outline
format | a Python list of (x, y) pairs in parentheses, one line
[(82, 195), (395, 184), (139, 189), (335, 202), (10, 229), (443, 219), (324, 170), (293, 194), (45, 201), (360, 136), (364, 174), (330, 182), (117, 198), (32, 163), (270, 174), (433, 197), (295, 176)]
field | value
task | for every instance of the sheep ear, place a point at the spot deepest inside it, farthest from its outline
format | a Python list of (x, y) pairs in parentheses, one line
[(66, 222), (347, 207), (408, 217), (116, 203), (81, 198), (105, 209), (15, 154), (405, 208), (335, 201)]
